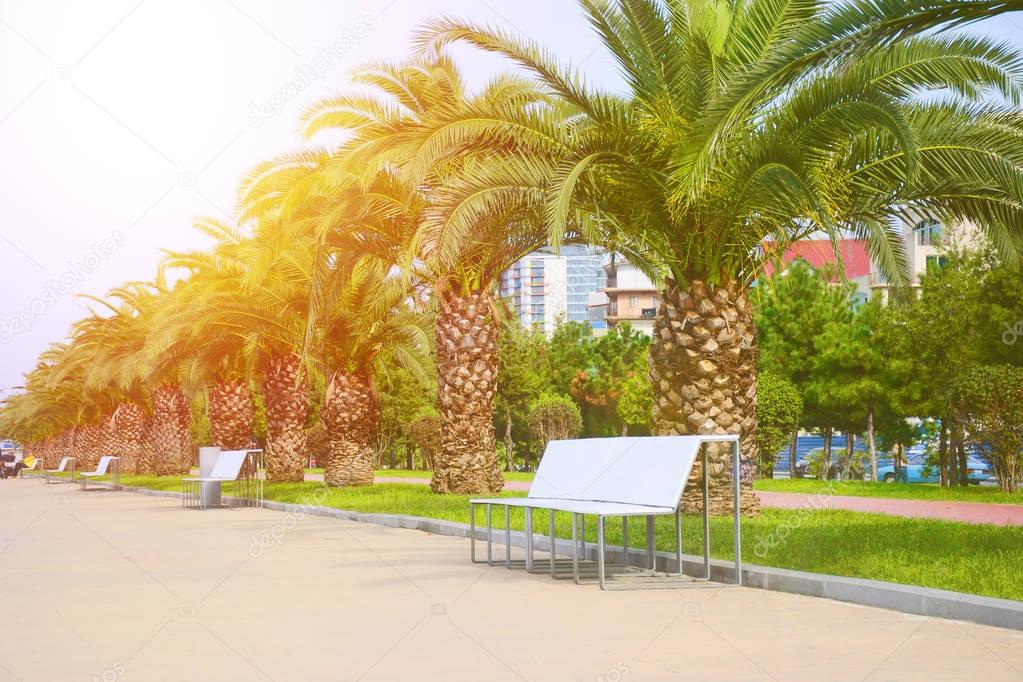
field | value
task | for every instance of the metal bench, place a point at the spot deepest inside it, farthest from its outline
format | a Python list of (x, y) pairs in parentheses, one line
[(37, 465), (102, 469), (238, 467), (66, 464), (613, 477)]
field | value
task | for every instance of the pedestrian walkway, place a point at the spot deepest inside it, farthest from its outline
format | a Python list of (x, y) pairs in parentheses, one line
[(970, 512), (110, 585)]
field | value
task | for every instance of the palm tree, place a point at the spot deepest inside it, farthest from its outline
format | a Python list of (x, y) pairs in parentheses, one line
[(366, 317), (765, 120), (412, 141), (108, 351), (215, 364), (247, 309)]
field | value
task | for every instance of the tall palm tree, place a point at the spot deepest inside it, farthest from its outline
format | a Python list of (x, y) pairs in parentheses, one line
[(365, 317), (770, 120), (248, 308), (215, 364), (108, 351), (421, 130)]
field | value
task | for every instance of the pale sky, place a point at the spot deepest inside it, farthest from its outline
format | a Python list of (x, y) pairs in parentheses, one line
[(121, 121)]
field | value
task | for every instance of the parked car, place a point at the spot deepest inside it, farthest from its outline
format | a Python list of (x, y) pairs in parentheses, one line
[(804, 469), (917, 470)]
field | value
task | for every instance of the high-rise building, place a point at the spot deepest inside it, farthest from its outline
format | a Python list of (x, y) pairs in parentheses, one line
[(545, 287)]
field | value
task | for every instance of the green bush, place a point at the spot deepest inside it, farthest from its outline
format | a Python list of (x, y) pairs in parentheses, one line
[(554, 417)]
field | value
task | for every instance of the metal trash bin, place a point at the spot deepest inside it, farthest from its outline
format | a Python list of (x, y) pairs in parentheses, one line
[(209, 491)]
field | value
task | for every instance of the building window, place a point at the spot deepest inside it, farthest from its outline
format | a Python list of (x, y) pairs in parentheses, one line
[(936, 262), (928, 233), (634, 301)]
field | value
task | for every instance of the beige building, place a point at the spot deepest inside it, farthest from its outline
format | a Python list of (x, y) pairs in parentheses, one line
[(927, 243), (631, 296)]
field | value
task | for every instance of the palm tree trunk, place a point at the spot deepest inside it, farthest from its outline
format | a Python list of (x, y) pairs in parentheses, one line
[(351, 416), (172, 439), (286, 395), (87, 446), (146, 462), (703, 367), (128, 424), (467, 364), (231, 413)]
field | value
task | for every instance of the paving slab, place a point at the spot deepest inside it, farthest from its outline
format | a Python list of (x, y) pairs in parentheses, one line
[(110, 585)]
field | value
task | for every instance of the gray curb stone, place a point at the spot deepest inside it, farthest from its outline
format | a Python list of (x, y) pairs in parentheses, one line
[(920, 601)]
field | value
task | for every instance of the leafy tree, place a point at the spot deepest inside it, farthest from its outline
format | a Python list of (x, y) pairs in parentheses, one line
[(779, 408), (554, 417), (989, 401), (635, 401), (793, 311), (403, 398), (523, 376), (424, 431), (593, 370)]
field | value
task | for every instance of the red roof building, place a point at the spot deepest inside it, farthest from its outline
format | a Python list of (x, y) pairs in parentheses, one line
[(820, 253)]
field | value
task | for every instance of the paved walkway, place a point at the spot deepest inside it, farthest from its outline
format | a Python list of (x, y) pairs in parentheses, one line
[(110, 585), (970, 512)]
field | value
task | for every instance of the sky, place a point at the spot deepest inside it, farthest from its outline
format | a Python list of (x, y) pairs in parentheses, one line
[(123, 120)]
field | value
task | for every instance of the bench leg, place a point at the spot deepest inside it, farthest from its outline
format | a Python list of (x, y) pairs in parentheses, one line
[(472, 532), (575, 549), (600, 551), (507, 536), (678, 540), (737, 511), (529, 539), (651, 546), (582, 535), (554, 570), (706, 517), (490, 537), (625, 541)]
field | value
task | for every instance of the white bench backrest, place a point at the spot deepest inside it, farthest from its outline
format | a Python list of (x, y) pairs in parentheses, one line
[(104, 464), (647, 470), (63, 463), (229, 464)]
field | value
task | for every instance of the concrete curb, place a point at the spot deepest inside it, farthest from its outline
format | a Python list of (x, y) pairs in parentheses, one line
[(920, 601)]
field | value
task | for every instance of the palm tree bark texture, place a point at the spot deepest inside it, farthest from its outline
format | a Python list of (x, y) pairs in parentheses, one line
[(703, 367), (350, 415), (172, 439), (231, 414), (286, 396), (467, 364)]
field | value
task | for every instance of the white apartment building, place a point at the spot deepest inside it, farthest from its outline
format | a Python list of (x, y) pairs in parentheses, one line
[(545, 287)]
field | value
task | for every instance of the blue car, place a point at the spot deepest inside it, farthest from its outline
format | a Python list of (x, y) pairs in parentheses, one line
[(916, 470)]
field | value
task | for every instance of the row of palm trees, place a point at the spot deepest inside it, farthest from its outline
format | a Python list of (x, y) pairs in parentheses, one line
[(767, 119)]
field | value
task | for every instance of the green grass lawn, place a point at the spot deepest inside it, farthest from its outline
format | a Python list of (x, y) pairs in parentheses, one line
[(905, 491), (422, 473), (977, 559)]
